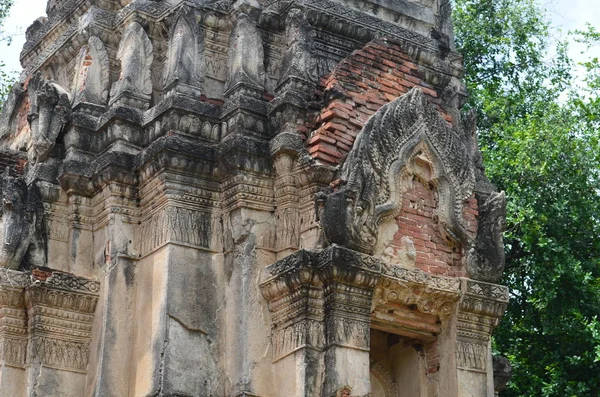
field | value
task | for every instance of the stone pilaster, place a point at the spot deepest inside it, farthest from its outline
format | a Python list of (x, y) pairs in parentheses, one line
[(287, 214), (13, 333), (321, 308), (349, 279), (480, 310), (60, 310), (294, 291)]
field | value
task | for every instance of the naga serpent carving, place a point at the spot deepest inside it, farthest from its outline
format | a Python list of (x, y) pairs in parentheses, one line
[(22, 241), (50, 111), (369, 188), (485, 260)]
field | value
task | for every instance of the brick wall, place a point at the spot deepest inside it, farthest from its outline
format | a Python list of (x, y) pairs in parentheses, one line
[(369, 78), (361, 84), (418, 221)]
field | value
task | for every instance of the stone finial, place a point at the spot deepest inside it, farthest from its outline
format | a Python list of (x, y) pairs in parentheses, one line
[(135, 53), (92, 76), (185, 68), (21, 224)]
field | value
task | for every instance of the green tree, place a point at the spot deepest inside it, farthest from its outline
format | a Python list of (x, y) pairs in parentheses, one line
[(6, 78), (539, 138)]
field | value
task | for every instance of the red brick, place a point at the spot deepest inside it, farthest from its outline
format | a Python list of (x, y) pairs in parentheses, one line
[(320, 138), (328, 149), (325, 158), (429, 92), (413, 79)]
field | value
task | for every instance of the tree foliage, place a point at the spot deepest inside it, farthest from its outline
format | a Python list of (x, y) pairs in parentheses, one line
[(6, 78), (539, 136)]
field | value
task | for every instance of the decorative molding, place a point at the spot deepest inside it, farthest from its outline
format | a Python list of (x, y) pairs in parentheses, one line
[(426, 298), (480, 310), (68, 355), (472, 356), (46, 319)]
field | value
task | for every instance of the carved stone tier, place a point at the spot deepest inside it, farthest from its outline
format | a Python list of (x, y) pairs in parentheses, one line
[(13, 318)]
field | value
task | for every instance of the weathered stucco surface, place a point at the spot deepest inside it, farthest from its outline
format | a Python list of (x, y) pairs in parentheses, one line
[(259, 198)]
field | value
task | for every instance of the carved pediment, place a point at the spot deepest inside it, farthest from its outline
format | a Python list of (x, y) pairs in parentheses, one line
[(406, 135), (136, 55), (246, 55)]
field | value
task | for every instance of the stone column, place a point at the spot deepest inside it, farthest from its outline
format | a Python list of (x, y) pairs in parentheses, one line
[(13, 333), (61, 311), (480, 310), (349, 279), (295, 294)]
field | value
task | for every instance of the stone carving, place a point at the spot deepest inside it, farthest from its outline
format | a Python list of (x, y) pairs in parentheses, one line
[(92, 76), (472, 355), (135, 53), (502, 373), (246, 55), (49, 112), (423, 297), (367, 192), (404, 257), (180, 225), (186, 67), (61, 308), (68, 282), (10, 109), (179, 207), (21, 224), (13, 352), (485, 260), (60, 354), (13, 321), (47, 319)]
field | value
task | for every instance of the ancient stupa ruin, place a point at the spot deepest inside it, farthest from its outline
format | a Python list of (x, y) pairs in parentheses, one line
[(246, 198)]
